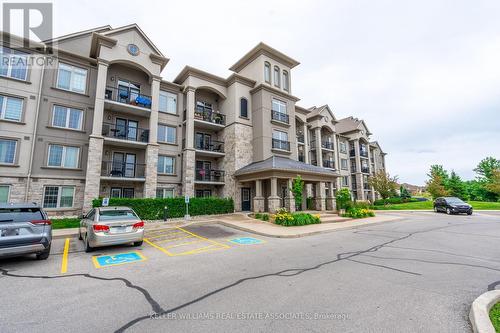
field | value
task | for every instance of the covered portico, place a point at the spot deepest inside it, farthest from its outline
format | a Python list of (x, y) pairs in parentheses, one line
[(272, 183)]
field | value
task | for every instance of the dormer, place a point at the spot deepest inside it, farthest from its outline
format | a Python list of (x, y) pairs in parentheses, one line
[(267, 66)]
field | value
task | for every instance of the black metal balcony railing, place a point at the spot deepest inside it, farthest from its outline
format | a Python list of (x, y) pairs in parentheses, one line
[(352, 153), (327, 145), (280, 144), (314, 162), (363, 152), (300, 138), (366, 186), (125, 132), (215, 146), (210, 116), (122, 169), (353, 169), (302, 158), (365, 169), (328, 164), (127, 96), (208, 175), (312, 144), (280, 116)]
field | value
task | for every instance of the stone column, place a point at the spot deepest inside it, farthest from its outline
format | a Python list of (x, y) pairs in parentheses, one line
[(319, 200), (306, 143), (319, 155), (273, 201), (189, 156), (331, 203), (258, 200), (96, 142), (336, 157), (359, 177), (152, 149), (290, 199)]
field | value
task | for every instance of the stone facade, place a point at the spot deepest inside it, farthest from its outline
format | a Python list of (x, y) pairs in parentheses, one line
[(37, 191), (93, 178), (150, 184)]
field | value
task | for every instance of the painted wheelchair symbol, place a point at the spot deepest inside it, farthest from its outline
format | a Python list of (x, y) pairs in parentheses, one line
[(246, 241), (117, 259)]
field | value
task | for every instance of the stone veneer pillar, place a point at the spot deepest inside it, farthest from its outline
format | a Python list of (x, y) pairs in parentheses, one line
[(331, 203), (319, 155), (189, 156), (306, 143), (290, 199), (258, 200), (319, 200), (151, 175), (273, 201)]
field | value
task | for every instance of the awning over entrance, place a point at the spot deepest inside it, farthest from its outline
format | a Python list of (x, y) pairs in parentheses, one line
[(283, 167)]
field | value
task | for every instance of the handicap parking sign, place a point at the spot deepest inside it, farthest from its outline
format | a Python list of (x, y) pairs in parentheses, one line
[(246, 241), (117, 259)]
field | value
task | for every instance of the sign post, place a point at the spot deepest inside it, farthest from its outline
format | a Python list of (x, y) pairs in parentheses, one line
[(105, 202), (186, 200)]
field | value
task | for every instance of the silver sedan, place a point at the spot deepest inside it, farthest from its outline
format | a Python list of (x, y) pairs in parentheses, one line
[(105, 226)]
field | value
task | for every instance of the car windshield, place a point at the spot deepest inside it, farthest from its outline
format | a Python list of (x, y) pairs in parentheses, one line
[(20, 214), (119, 214), (455, 201)]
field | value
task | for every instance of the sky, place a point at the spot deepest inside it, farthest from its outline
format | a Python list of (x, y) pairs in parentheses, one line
[(424, 75)]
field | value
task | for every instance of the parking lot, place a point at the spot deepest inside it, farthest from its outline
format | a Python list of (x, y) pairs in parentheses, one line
[(423, 270)]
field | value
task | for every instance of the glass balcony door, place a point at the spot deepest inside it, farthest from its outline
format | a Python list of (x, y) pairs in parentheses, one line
[(126, 129)]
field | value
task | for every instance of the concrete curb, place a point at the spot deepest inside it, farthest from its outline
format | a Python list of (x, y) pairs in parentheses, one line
[(479, 314)]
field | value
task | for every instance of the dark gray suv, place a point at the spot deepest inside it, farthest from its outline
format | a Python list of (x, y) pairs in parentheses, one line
[(24, 229)]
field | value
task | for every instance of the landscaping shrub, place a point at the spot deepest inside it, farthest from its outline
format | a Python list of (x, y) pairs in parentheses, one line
[(258, 216), (394, 201), (265, 217), (63, 223), (152, 209), (358, 213), (284, 218)]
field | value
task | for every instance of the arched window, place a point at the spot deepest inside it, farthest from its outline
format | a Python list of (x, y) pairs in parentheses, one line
[(267, 72), (276, 78), (243, 107), (286, 81)]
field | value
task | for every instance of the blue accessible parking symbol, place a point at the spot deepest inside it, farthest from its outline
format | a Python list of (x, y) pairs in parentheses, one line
[(117, 259), (246, 241)]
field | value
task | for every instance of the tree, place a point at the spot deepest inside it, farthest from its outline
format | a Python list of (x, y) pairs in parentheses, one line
[(438, 179), (404, 193), (383, 183), (343, 197), (455, 186), (439, 171), (494, 185), (297, 188), (486, 168)]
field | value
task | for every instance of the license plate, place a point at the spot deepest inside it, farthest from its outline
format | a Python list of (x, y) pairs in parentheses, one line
[(9, 232), (117, 230)]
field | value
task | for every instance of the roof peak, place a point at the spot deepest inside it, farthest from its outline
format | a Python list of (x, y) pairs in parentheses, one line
[(263, 48)]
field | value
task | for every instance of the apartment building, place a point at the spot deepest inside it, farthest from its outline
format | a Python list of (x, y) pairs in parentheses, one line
[(96, 119)]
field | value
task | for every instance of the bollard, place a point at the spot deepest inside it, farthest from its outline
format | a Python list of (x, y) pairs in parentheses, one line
[(165, 213)]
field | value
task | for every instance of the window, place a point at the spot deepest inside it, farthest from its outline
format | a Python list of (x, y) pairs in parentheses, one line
[(345, 181), (343, 163), (279, 106), (63, 156), (277, 81), (67, 117), (7, 151), (168, 102), (4, 193), (267, 72), (163, 193), (279, 135), (119, 192), (13, 63), (243, 107), (166, 164), (58, 196), (203, 193), (286, 81), (280, 140), (167, 134), (11, 108), (343, 147), (71, 78), (203, 107)]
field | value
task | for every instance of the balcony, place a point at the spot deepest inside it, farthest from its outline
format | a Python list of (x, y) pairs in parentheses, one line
[(209, 119), (127, 100), (353, 168), (365, 169), (366, 186), (352, 153), (329, 164), (125, 134), (209, 176), (281, 145), (300, 138), (121, 170), (327, 145), (280, 117), (312, 144), (301, 158), (211, 148), (363, 153)]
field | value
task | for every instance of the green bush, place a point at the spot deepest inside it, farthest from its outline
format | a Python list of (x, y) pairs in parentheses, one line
[(64, 223), (287, 219), (258, 216), (152, 209), (394, 201), (358, 213), (265, 217)]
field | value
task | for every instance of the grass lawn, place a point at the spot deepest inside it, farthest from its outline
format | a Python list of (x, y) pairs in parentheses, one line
[(478, 205), (495, 316), (65, 223)]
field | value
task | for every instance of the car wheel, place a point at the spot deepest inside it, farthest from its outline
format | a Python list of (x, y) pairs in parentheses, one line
[(44, 254), (138, 243), (436, 209), (88, 248), (80, 234), (469, 212), (448, 211)]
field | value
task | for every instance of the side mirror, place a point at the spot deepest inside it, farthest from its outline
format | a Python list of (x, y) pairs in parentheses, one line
[(82, 216)]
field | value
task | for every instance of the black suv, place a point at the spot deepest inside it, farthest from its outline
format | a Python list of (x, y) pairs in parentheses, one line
[(452, 205)]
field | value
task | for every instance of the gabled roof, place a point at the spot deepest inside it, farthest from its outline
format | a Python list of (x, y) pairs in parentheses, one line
[(316, 111), (279, 163), (376, 145), (135, 27), (104, 28), (351, 124), (265, 49)]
